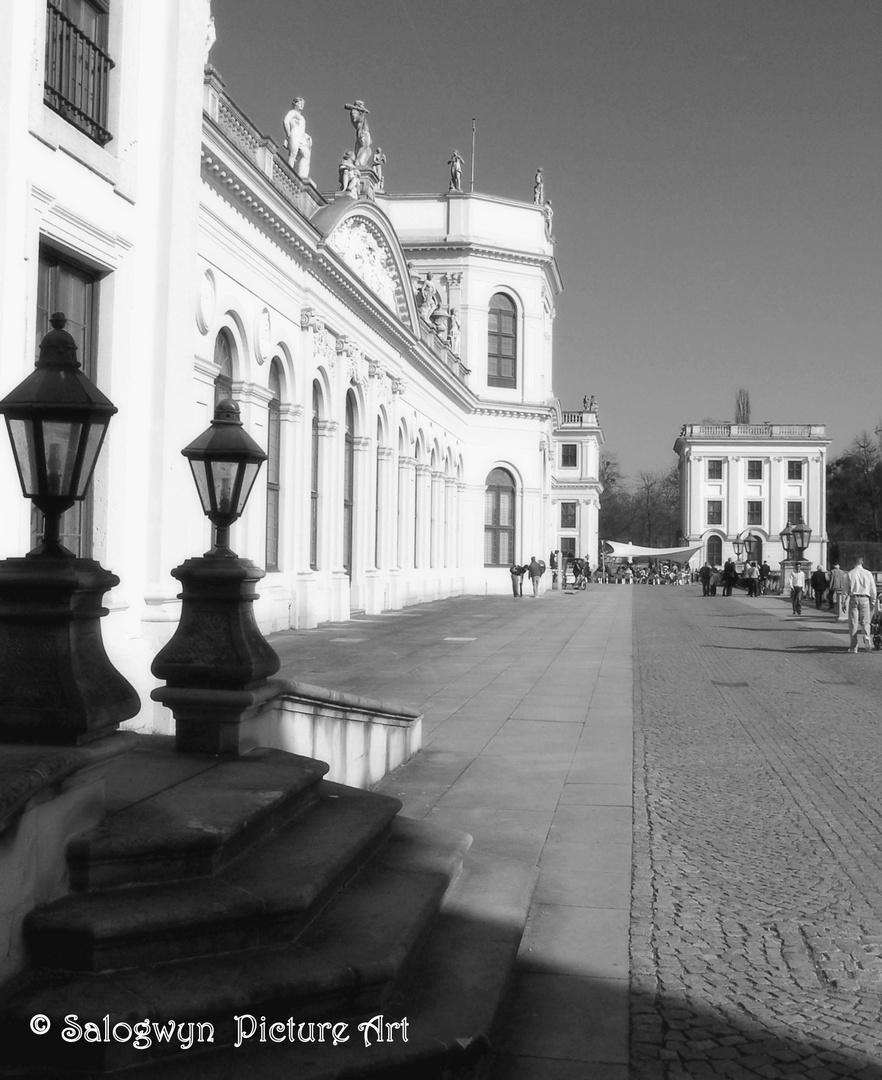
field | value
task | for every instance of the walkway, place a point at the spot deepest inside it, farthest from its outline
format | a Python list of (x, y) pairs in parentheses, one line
[(527, 747), (753, 893)]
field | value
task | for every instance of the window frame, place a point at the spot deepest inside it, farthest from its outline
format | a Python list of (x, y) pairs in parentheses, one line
[(794, 469), (715, 505), (798, 512), (76, 74), (754, 462), (497, 357), (315, 466), (564, 447), (712, 464), (570, 509), (493, 529), (273, 467), (755, 508)]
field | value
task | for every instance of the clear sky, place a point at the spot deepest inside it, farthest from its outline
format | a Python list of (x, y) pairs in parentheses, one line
[(715, 168)]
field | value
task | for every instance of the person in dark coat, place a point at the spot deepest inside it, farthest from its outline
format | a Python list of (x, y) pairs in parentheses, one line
[(819, 585), (730, 576)]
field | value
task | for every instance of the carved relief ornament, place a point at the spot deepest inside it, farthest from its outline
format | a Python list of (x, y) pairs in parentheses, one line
[(365, 252)]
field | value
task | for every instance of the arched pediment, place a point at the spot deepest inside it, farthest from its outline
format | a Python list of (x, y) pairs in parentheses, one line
[(363, 238)]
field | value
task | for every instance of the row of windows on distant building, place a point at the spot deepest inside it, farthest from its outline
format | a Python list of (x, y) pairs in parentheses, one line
[(755, 512), (754, 469)]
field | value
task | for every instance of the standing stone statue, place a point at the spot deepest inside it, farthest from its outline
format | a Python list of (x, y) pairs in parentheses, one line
[(427, 298), (454, 332), (378, 163), (348, 174), (549, 214), (538, 189), (297, 140), (456, 164), (210, 31), (358, 114)]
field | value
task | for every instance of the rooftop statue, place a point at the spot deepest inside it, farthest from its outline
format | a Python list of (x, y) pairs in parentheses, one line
[(454, 332), (549, 214), (297, 140), (348, 174), (538, 189), (379, 162), (455, 164), (358, 114), (589, 404), (210, 31)]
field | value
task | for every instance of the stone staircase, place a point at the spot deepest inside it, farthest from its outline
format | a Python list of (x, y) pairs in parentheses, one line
[(223, 897)]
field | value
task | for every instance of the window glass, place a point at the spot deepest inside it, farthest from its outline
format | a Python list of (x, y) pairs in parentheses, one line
[(568, 455), (568, 515), (348, 481), (794, 470), (794, 512), (499, 514), (715, 512), (314, 481), (77, 68), (502, 342), (715, 550), (754, 512), (754, 470), (715, 469), (273, 466)]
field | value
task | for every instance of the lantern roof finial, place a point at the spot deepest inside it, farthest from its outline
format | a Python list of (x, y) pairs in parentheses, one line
[(58, 349)]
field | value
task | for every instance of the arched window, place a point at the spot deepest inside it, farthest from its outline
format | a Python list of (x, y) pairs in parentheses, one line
[(314, 482), (348, 481), (377, 519), (273, 466), (502, 342), (715, 551), (499, 519), (223, 357)]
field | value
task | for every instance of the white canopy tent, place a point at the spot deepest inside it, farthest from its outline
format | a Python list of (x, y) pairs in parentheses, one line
[(629, 551)]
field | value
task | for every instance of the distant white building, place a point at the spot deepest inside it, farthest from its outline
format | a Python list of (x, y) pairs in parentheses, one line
[(392, 353), (751, 480), (575, 484)]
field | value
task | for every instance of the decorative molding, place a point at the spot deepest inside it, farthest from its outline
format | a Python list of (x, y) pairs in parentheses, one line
[(206, 302), (263, 336), (365, 250), (399, 386)]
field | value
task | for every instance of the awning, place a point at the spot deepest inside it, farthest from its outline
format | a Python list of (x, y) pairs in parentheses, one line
[(629, 551)]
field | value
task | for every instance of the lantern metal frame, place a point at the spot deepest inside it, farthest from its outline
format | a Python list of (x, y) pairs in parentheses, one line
[(57, 420)]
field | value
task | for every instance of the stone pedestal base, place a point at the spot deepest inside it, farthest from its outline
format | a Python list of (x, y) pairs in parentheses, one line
[(217, 663), (57, 684)]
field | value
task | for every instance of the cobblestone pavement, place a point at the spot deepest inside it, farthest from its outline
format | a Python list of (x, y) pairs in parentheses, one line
[(756, 920)]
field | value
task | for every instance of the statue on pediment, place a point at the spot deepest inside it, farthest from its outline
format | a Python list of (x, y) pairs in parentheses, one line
[(428, 298), (210, 32), (298, 142), (358, 114), (454, 332), (348, 175), (378, 163)]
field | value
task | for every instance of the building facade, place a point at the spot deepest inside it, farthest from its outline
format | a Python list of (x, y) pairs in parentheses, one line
[(392, 353), (751, 480), (575, 487)]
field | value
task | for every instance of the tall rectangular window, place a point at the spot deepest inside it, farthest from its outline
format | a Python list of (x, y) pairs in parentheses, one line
[(568, 458), (567, 546), (502, 342), (77, 76), (754, 512), (715, 511), (314, 480), (794, 511), (568, 515), (754, 470), (64, 286), (273, 467), (715, 469), (499, 519), (794, 470)]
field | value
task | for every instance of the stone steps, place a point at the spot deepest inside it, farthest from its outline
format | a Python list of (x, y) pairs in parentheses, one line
[(266, 896), (341, 913)]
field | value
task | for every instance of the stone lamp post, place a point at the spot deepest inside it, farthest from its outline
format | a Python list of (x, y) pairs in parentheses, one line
[(795, 538), (57, 684), (217, 664)]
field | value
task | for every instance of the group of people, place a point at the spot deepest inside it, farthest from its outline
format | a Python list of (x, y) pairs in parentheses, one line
[(535, 568), (755, 577), (854, 593)]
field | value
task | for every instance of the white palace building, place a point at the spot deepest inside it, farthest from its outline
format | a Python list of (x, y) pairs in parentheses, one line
[(391, 353)]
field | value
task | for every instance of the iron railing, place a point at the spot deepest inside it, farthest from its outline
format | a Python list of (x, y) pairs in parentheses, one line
[(77, 76)]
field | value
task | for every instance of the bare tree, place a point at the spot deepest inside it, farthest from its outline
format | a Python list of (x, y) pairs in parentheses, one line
[(742, 407)]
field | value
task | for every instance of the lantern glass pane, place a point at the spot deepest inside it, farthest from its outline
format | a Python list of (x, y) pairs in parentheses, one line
[(61, 440), (94, 438), (200, 475), (223, 482), (252, 468), (21, 434)]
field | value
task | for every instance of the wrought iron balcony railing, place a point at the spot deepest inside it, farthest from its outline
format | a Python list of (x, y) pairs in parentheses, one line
[(77, 76)]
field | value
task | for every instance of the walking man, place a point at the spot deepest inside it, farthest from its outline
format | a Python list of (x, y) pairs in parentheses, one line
[(838, 593), (535, 571), (819, 585), (797, 585), (861, 601)]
